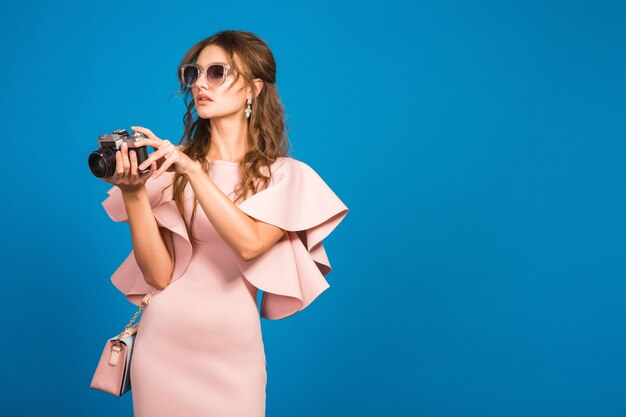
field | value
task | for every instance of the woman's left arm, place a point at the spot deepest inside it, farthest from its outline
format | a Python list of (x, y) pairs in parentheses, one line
[(247, 236)]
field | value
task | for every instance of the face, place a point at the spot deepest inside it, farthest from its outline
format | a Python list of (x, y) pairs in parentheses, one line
[(226, 100)]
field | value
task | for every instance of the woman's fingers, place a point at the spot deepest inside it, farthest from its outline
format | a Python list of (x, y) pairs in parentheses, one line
[(127, 175), (170, 159), (164, 156), (133, 163), (147, 142), (119, 165), (145, 131), (151, 158), (156, 155), (151, 141), (125, 160), (155, 143), (153, 168)]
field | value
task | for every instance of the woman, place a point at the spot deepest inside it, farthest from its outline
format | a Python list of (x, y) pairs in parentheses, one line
[(199, 348)]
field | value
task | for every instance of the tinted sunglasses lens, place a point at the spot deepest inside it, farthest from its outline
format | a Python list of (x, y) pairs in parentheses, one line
[(215, 73), (190, 75)]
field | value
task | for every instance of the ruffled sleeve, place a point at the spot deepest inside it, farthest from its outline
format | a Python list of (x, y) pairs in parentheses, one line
[(128, 278), (291, 273)]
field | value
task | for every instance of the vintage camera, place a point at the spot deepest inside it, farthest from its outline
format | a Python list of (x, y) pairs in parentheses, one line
[(102, 161)]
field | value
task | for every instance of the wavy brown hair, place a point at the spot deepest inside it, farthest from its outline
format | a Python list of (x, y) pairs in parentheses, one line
[(267, 131)]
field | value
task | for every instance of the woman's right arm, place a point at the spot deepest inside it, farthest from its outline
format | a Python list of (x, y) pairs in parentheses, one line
[(152, 245)]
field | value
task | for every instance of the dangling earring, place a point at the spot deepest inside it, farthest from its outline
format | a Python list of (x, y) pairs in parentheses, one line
[(249, 108)]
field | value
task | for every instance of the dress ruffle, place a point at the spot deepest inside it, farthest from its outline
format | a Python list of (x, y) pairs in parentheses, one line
[(291, 273), (128, 277)]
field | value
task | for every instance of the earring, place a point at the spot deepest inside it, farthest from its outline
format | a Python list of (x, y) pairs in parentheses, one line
[(249, 108)]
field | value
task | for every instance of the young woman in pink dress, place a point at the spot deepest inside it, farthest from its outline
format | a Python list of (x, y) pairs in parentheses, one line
[(260, 224)]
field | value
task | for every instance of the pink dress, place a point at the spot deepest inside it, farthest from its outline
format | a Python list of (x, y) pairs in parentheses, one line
[(199, 349)]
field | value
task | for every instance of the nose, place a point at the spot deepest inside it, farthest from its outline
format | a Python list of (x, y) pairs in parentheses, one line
[(201, 81)]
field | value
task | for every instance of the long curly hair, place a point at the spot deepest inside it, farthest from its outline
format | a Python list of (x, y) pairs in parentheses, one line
[(267, 130)]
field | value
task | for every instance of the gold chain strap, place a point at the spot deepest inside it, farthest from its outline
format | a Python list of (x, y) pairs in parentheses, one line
[(144, 303)]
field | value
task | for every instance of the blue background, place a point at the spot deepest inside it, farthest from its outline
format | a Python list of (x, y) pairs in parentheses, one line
[(479, 146)]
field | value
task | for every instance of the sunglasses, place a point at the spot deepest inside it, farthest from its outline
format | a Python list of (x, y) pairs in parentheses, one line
[(215, 73)]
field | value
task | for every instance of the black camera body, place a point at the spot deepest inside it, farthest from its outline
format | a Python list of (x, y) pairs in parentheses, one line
[(102, 161)]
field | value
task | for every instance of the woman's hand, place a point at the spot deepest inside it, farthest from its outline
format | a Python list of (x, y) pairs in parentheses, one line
[(127, 176), (167, 156)]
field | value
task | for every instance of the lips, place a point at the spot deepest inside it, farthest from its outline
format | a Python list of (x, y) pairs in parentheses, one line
[(204, 97)]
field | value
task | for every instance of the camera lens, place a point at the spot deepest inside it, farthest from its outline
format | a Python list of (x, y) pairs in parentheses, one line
[(102, 162)]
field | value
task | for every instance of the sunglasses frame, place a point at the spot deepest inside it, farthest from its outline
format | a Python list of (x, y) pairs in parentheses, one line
[(203, 70)]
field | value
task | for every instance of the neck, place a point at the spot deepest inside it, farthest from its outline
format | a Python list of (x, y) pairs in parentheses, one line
[(228, 139)]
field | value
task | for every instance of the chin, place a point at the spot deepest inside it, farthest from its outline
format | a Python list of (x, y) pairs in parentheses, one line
[(204, 114)]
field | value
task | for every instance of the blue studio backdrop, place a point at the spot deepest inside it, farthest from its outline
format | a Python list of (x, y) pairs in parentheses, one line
[(479, 146)]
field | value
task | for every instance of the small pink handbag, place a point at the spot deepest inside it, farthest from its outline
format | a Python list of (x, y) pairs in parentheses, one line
[(113, 371)]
